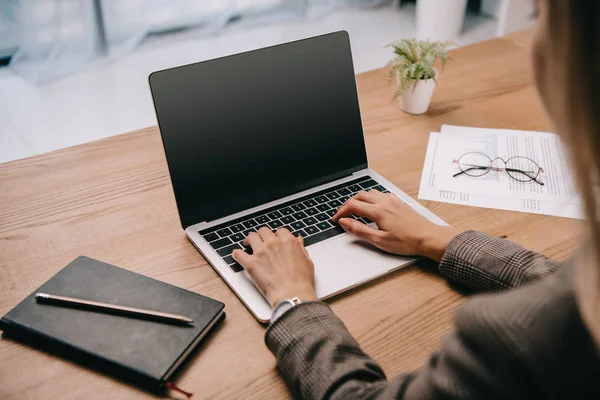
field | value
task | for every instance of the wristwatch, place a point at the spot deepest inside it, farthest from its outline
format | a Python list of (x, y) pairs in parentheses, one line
[(283, 306)]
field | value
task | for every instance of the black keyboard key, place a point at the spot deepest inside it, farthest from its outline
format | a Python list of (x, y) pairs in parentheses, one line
[(343, 199), (275, 224), (289, 228), (344, 191), (334, 203), (217, 244), (209, 237), (261, 226), (225, 251), (250, 223), (331, 212), (298, 207), (310, 203), (324, 225), (329, 233), (322, 217), (310, 221), (378, 187), (263, 219), (354, 188), (332, 195), (274, 215), (323, 207), (237, 228), (297, 225), (321, 199), (247, 249), (287, 219), (229, 260), (299, 233), (236, 237), (224, 232), (286, 211), (368, 183), (311, 230), (311, 211), (236, 267), (300, 215), (246, 233)]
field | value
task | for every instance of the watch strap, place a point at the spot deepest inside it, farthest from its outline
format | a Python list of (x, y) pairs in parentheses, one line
[(283, 306)]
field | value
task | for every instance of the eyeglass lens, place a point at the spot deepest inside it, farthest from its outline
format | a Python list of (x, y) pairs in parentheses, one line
[(475, 164), (522, 169)]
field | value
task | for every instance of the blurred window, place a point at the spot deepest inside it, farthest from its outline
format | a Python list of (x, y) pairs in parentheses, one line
[(9, 38)]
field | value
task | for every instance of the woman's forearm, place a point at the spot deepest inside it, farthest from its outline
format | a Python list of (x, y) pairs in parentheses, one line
[(319, 359), (316, 354), (485, 263)]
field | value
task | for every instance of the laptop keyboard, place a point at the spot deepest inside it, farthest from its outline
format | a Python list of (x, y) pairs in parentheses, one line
[(309, 217)]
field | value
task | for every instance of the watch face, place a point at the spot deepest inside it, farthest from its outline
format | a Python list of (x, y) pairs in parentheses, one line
[(281, 308)]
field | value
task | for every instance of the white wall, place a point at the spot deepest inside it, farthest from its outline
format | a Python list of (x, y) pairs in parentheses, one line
[(512, 15)]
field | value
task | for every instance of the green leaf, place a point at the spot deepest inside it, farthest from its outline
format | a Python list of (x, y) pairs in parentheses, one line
[(413, 61)]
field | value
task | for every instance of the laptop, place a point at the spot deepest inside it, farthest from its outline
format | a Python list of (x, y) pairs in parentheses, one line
[(272, 137)]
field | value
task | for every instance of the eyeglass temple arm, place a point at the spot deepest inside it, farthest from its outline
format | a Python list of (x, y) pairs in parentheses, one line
[(464, 172), (533, 178)]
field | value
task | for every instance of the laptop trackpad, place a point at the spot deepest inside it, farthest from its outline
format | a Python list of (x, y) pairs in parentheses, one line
[(346, 261)]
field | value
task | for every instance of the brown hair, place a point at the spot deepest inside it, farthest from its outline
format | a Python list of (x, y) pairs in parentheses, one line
[(573, 32)]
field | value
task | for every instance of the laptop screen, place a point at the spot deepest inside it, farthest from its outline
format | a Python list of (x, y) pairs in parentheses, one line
[(247, 129)]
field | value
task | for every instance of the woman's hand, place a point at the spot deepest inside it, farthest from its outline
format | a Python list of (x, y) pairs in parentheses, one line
[(401, 229), (279, 265)]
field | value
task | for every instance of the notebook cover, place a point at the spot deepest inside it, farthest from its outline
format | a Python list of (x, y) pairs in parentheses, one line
[(142, 350)]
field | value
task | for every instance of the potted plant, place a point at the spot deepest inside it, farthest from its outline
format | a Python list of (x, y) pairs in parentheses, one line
[(413, 66)]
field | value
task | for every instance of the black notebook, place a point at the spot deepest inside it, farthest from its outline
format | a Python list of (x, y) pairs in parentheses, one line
[(143, 352)]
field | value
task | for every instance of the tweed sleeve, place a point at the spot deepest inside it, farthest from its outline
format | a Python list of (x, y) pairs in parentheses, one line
[(485, 263), (319, 359)]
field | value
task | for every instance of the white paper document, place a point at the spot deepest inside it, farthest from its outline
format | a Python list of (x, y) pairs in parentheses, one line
[(496, 189)]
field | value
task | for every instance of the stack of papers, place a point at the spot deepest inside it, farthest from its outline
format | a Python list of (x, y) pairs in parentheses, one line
[(496, 189)]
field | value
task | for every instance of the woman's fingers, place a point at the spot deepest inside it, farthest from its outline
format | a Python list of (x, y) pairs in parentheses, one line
[(254, 240), (283, 233), (242, 257), (361, 230), (286, 234), (300, 240), (368, 197), (266, 234), (356, 207)]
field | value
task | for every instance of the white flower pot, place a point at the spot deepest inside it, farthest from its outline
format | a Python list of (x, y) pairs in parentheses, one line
[(417, 97)]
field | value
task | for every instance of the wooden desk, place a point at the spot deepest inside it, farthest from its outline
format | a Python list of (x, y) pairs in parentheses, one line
[(112, 200)]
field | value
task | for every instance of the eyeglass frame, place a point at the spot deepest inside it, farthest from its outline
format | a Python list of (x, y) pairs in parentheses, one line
[(491, 167)]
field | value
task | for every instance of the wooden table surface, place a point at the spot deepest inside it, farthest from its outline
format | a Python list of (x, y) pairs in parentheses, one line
[(112, 200)]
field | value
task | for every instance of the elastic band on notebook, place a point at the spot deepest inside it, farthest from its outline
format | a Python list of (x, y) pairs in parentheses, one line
[(172, 386)]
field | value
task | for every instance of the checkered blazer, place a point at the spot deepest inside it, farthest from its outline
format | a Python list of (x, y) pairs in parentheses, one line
[(525, 343)]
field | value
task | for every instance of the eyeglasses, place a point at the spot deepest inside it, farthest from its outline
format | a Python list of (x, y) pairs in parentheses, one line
[(519, 168)]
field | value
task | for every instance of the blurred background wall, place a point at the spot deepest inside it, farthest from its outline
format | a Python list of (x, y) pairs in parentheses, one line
[(76, 70)]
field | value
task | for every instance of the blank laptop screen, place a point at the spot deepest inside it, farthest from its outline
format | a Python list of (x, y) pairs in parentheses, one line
[(250, 128)]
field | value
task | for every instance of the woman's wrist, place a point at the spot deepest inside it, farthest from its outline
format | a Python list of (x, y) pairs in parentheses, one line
[(435, 242), (304, 294)]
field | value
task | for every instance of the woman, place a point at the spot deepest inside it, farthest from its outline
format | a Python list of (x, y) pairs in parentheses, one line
[(539, 341)]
